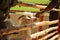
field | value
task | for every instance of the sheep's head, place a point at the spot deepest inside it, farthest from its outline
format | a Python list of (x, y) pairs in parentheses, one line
[(27, 17)]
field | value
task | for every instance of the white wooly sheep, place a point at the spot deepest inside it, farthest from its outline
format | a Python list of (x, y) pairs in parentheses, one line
[(24, 20)]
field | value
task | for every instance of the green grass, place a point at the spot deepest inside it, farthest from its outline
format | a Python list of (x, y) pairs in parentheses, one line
[(36, 1), (30, 8), (24, 8)]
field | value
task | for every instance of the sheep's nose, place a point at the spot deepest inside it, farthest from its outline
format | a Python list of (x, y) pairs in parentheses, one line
[(34, 19)]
